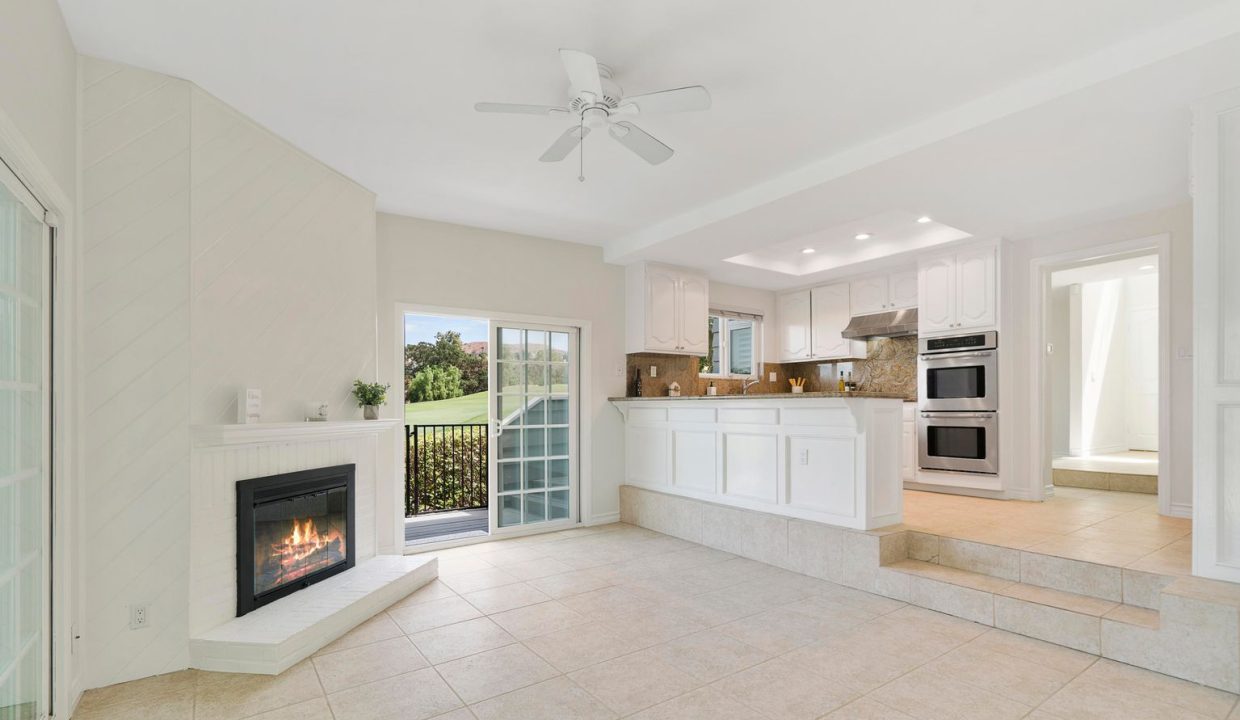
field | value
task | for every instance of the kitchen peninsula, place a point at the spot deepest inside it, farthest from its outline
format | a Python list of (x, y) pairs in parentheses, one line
[(827, 456)]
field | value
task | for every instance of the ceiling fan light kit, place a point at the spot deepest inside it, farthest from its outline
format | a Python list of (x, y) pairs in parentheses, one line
[(596, 101)]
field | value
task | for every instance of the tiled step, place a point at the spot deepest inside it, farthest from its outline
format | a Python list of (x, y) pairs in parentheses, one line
[(1064, 618)]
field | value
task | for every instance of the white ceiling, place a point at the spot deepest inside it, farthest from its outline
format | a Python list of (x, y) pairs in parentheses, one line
[(824, 111)]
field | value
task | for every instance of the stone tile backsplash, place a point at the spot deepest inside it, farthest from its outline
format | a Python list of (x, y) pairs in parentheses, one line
[(890, 366)]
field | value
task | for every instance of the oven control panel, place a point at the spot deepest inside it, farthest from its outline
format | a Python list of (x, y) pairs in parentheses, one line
[(978, 341)]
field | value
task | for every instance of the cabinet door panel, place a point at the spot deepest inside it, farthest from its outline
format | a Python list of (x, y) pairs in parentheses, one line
[(908, 459), (903, 289), (694, 314), (868, 296), (975, 289), (662, 332), (793, 311), (830, 315), (936, 291)]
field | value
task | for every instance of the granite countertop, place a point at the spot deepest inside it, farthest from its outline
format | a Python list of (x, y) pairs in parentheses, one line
[(767, 396)]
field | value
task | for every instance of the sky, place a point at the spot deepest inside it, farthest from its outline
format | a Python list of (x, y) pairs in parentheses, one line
[(422, 328)]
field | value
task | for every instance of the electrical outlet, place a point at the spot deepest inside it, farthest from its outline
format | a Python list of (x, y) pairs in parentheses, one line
[(803, 456), (654, 371), (138, 616), (772, 375)]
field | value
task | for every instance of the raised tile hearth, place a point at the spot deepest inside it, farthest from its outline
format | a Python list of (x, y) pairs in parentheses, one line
[(278, 635)]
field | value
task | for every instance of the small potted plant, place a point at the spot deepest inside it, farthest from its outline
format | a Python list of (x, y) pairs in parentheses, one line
[(369, 396)]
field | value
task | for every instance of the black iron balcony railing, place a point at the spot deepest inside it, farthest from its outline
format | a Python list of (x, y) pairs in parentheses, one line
[(445, 467)]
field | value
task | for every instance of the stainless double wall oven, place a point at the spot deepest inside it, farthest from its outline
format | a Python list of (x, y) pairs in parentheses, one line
[(958, 403)]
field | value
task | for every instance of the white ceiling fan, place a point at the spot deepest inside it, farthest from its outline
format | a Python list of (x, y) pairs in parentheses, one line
[(596, 101)]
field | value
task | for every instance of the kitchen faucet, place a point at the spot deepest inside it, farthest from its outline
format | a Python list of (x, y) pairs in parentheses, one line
[(748, 384)]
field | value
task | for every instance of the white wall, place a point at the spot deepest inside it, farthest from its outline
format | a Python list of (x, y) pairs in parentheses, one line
[(452, 266), (38, 85), (216, 256), (1141, 307), (1099, 373), (1060, 336), (1018, 333), (752, 300)]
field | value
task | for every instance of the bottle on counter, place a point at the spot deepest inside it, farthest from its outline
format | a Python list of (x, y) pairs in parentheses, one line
[(711, 389), (637, 382), (850, 386), (842, 386)]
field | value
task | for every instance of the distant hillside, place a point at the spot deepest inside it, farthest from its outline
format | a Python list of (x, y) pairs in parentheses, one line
[(477, 347)]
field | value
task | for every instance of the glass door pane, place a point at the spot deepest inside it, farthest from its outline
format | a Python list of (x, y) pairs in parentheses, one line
[(535, 419), (23, 466)]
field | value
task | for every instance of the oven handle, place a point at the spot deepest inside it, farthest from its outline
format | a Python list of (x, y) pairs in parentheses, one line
[(985, 417), (934, 356)]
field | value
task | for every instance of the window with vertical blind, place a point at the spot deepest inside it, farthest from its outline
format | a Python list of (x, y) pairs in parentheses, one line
[(735, 340)]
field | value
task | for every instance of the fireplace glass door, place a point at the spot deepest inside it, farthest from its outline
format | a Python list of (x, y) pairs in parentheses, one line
[(298, 536)]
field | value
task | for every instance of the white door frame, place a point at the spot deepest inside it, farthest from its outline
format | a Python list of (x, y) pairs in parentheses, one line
[(585, 466), (493, 420), (1039, 280), (67, 575)]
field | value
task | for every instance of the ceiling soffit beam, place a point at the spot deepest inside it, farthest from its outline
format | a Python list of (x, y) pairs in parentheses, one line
[(1139, 51)]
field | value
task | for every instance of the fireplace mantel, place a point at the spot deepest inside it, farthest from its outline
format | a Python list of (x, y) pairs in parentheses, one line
[(209, 436)]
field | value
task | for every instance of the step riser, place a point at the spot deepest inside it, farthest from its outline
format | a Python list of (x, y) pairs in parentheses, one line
[(1195, 639)]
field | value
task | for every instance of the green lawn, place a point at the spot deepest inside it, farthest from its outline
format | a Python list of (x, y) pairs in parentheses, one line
[(462, 410)]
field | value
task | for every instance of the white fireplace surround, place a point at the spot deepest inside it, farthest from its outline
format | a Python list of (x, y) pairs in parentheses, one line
[(224, 454)]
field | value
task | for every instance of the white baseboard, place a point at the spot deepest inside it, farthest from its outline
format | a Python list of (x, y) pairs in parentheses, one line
[(604, 519)]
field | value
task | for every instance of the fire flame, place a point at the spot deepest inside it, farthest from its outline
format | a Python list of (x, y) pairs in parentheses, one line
[(303, 542)]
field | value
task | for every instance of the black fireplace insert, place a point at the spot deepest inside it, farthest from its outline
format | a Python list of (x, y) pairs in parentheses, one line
[(293, 530)]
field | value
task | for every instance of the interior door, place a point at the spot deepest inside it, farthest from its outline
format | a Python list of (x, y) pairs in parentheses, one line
[(25, 652), (534, 401)]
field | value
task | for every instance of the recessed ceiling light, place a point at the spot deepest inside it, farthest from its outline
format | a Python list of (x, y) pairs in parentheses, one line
[(923, 219), (863, 236), (1146, 267), (807, 251)]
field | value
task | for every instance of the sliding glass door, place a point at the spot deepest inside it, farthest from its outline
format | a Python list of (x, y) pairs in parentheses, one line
[(534, 379), (24, 444)]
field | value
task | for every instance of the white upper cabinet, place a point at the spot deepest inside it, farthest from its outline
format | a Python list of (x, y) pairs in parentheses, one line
[(884, 293), (667, 310), (975, 288), (829, 315), (902, 289), (958, 292), (868, 295), (793, 319), (694, 314)]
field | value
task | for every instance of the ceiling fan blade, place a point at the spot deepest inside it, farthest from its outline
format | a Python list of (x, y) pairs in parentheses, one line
[(582, 71), (564, 144), (642, 143), (694, 97), (519, 109)]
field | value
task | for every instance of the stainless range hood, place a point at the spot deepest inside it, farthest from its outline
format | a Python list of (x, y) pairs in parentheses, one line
[(895, 323)]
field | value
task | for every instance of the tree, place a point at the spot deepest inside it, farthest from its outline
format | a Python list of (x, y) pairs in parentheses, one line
[(447, 351), (435, 383)]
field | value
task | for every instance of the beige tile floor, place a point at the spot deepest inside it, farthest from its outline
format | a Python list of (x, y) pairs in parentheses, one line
[(1101, 526), (617, 621)]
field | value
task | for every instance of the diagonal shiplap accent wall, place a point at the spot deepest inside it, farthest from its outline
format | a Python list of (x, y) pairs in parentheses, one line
[(283, 272), (216, 256), (136, 367)]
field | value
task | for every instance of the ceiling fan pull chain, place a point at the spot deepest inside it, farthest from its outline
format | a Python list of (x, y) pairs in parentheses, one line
[(581, 156)]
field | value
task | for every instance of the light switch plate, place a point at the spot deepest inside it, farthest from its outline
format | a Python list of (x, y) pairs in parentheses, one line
[(773, 376), (654, 371)]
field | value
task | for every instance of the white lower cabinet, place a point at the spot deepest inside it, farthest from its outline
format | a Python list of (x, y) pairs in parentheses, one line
[(826, 459)]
